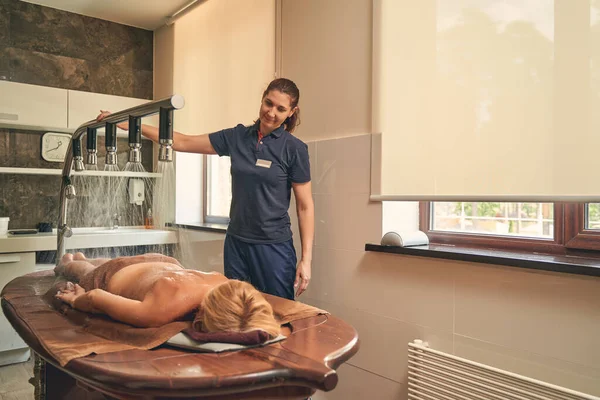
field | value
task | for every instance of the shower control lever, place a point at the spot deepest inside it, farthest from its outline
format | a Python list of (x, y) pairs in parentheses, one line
[(66, 231)]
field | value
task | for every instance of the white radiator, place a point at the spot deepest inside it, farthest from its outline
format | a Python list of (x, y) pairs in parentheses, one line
[(434, 375)]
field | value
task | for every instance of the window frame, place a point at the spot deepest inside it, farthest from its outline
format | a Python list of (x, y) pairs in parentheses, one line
[(575, 234), (570, 235), (209, 219)]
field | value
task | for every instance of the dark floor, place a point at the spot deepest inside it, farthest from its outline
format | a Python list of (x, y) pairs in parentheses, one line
[(14, 381)]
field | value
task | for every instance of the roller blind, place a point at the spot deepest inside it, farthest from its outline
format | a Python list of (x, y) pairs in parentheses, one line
[(224, 57), (486, 100)]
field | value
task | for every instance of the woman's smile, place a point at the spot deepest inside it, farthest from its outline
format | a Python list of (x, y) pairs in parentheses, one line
[(274, 109)]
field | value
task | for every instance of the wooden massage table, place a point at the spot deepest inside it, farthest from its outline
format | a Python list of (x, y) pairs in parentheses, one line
[(290, 369)]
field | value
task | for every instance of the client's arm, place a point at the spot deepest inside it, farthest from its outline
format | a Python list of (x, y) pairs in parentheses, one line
[(146, 313)]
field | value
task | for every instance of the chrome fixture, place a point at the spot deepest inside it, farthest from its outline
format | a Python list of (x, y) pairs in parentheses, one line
[(135, 139), (74, 158), (165, 134), (77, 157), (91, 146), (110, 142)]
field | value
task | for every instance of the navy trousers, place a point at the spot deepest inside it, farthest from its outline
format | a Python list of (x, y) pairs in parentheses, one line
[(271, 268)]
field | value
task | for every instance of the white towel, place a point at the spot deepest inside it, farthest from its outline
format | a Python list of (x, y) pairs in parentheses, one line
[(405, 239)]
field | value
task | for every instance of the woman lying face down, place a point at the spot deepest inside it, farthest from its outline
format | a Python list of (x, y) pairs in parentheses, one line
[(152, 290)]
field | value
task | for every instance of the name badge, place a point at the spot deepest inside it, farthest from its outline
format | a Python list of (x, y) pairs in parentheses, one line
[(263, 163)]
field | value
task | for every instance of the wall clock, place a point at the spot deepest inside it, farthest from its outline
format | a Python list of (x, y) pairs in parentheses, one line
[(54, 146)]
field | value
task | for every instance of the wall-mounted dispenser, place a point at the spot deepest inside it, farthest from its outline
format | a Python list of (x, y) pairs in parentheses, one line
[(136, 191)]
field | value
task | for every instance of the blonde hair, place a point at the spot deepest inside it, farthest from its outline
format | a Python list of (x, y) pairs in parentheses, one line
[(236, 306)]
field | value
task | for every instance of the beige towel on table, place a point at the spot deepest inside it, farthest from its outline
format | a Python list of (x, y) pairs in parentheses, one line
[(66, 333)]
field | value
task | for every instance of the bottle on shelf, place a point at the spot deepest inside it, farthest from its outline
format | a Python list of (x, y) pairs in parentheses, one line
[(149, 221)]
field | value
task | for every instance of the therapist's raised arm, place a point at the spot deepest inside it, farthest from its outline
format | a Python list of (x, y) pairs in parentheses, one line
[(181, 142)]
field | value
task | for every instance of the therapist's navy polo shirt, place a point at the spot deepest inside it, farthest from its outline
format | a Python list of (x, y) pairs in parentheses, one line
[(262, 174)]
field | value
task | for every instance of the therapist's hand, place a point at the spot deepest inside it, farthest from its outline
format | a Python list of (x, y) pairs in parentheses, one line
[(302, 277), (103, 114)]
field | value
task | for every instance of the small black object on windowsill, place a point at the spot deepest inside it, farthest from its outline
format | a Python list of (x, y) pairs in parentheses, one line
[(22, 231)]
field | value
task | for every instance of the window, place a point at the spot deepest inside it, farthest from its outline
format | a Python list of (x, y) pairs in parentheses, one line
[(556, 228), (217, 190)]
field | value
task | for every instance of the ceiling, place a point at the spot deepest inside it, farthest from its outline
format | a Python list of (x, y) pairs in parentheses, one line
[(147, 14)]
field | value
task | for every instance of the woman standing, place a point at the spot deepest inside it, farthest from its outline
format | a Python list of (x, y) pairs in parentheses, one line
[(267, 163)]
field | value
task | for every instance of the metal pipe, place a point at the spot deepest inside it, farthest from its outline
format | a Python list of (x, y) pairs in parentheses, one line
[(174, 102)]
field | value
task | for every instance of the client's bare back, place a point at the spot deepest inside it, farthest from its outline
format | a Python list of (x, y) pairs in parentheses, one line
[(137, 275), (75, 266)]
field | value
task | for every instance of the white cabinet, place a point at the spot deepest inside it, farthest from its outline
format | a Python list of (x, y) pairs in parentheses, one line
[(32, 106), (45, 108), (85, 106), (12, 265)]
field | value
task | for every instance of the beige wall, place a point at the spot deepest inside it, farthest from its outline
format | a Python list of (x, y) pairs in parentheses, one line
[(543, 325), (163, 61), (539, 324), (219, 56), (326, 50), (224, 58)]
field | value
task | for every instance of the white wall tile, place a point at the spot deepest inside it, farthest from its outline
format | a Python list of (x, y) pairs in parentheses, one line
[(384, 341), (551, 314), (343, 165), (346, 221), (357, 384), (407, 289)]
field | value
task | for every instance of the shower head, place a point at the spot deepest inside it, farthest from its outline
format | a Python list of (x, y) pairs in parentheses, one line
[(77, 157), (111, 143), (165, 134), (91, 139), (135, 139)]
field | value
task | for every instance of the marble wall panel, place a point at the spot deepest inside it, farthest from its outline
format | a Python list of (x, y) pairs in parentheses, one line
[(47, 69), (29, 199), (53, 31), (4, 65), (4, 23), (49, 47), (44, 69)]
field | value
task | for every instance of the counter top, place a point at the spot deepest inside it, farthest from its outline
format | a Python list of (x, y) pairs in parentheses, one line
[(87, 238)]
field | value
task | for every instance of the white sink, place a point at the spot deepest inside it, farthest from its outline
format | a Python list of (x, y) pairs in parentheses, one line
[(104, 231)]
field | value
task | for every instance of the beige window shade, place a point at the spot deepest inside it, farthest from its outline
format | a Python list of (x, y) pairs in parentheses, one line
[(486, 100), (224, 57)]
